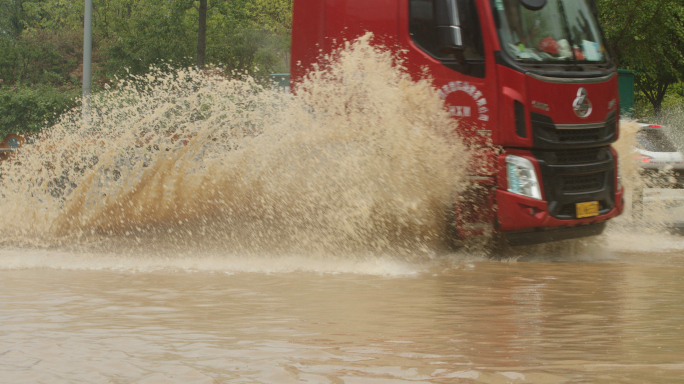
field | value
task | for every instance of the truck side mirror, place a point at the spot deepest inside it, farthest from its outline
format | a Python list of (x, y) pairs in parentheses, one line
[(448, 26), (533, 5)]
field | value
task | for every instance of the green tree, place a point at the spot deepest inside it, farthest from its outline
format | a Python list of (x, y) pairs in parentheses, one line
[(13, 21), (202, 8), (141, 34), (30, 109), (41, 45), (239, 34), (250, 34), (647, 36), (14, 18)]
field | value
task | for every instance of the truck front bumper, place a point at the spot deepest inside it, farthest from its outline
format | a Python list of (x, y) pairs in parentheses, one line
[(523, 220)]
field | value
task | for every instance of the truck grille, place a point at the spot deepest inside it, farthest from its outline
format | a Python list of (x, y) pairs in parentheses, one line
[(547, 135), (582, 183), (572, 176), (577, 135), (574, 156)]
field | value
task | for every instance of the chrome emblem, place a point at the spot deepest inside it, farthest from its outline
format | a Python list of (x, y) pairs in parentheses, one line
[(582, 105), (538, 105)]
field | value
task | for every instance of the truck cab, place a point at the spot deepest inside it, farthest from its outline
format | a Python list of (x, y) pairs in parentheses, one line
[(532, 86)]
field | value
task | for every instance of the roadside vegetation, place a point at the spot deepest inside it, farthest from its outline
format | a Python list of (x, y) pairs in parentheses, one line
[(41, 47), (41, 50), (647, 37)]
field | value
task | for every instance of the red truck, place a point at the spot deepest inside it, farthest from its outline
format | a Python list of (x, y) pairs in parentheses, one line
[(530, 78)]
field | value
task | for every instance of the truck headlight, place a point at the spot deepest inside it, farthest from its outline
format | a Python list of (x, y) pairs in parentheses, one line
[(522, 178)]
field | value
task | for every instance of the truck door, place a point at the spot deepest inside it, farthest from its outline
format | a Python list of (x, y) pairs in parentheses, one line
[(446, 38)]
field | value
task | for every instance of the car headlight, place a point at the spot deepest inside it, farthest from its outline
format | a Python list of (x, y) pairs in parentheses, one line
[(522, 178)]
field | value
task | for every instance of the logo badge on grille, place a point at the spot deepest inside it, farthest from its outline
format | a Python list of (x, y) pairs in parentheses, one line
[(582, 105)]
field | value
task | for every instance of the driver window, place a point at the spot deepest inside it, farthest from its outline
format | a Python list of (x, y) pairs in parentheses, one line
[(422, 29)]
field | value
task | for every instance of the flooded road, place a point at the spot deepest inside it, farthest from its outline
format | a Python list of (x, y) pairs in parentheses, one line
[(206, 229), (614, 314)]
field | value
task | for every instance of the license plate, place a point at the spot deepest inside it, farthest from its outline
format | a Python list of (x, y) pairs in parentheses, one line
[(589, 209)]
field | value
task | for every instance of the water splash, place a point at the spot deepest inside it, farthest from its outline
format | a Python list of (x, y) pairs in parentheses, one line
[(362, 158), (649, 210), (204, 171)]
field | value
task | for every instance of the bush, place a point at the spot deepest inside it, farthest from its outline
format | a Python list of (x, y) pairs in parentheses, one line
[(30, 109)]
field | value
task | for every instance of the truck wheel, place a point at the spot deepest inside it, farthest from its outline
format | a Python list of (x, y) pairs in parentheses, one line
[(490, 242)]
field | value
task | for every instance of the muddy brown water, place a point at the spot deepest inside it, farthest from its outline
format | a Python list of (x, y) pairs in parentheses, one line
[(612, 312)]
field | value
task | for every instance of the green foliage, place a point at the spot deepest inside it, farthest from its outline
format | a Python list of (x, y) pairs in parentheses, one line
[(41, 46), (14, 18), (41, 40), (647, 36), (247, 34), (49, 57), (8, 57), (29, 109), (241, 35), (145, 34)]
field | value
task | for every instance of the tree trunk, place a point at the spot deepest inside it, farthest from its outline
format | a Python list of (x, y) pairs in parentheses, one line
[(660, 97), (654, 90), (202, 34), (657, 107)]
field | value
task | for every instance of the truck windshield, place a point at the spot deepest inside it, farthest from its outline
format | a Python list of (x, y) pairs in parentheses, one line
[(561, 31)]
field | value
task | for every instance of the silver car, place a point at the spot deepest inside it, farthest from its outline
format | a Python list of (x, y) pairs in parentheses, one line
[(662, 165)]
